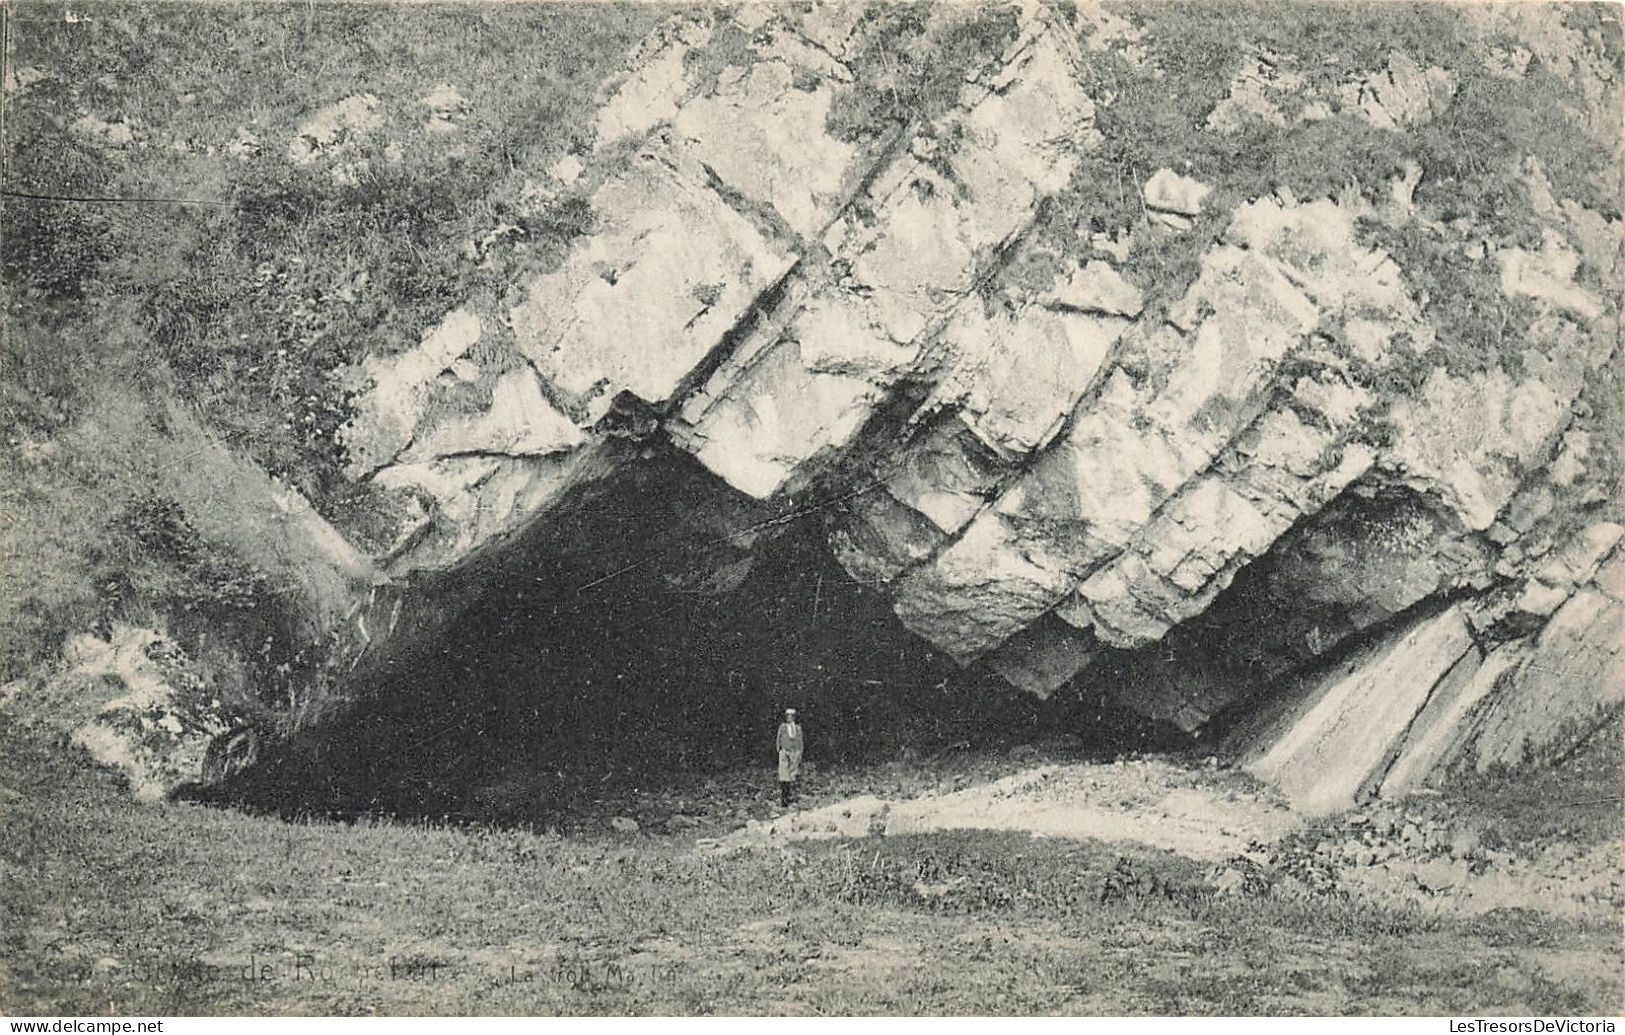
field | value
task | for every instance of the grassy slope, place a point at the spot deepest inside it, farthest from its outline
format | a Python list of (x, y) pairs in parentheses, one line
[(110, 907), (243, 310), (242, 299)]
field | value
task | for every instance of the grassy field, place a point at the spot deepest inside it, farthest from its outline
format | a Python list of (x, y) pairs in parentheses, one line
[(114, 907)]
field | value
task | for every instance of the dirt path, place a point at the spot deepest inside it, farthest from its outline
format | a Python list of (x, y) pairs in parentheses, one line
[(1197, 813), (1387, 853)]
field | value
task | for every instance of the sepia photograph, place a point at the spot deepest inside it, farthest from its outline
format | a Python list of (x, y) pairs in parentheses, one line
[(811, 508)]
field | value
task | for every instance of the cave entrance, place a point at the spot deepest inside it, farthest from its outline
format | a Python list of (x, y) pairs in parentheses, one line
[(651, 631)]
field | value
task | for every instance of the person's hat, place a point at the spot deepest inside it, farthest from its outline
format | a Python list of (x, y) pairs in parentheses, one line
[(789, 711)]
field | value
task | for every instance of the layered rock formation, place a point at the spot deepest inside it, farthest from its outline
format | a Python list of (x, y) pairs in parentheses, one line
[(1435, 694), (1042, 473)]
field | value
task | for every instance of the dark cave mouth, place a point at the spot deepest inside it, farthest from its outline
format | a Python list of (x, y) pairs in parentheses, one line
[(610, 662), (651, 631)]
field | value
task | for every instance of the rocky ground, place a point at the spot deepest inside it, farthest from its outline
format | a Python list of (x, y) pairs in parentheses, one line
[(1418, 857)]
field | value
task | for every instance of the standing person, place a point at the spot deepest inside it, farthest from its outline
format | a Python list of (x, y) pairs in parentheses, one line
[(789, 743)]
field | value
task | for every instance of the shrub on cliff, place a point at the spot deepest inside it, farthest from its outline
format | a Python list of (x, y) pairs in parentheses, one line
[(911, 61)]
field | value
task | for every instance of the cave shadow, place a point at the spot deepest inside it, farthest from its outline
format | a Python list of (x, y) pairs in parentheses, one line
[(562, 692)]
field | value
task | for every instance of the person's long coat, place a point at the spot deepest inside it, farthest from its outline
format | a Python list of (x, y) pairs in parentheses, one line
[(789, 745)]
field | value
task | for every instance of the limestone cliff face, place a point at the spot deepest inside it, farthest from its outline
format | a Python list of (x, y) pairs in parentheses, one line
[(1101, 461)]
